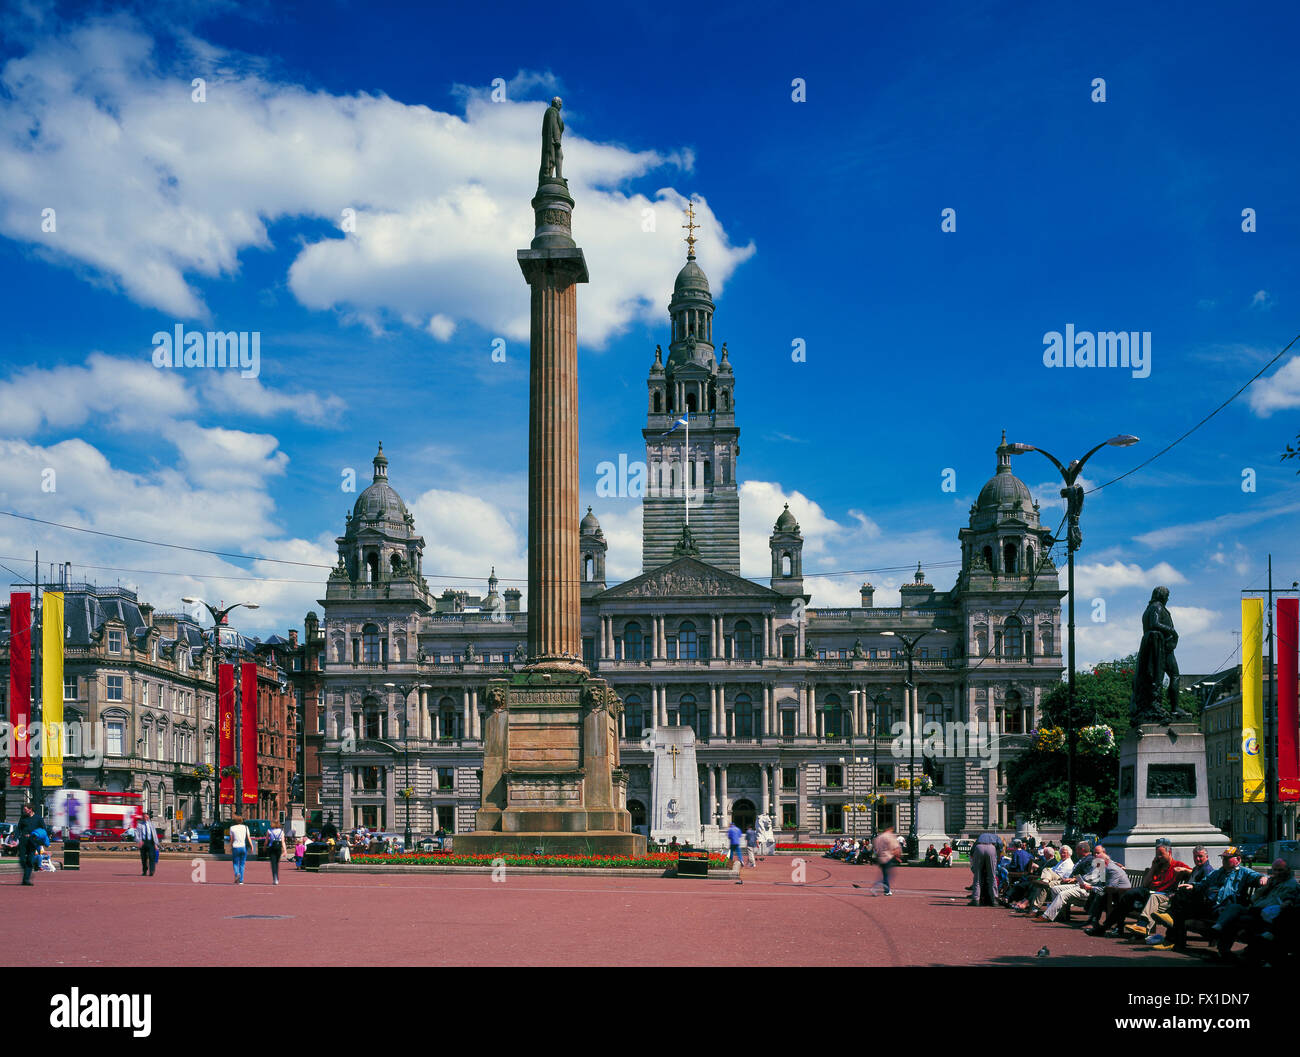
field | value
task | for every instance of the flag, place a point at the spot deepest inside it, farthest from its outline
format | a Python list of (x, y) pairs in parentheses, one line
[(248, 721), (1288, 708), (226, 729), (20, 685), (52, 690), (1252, 700), (683, 421)]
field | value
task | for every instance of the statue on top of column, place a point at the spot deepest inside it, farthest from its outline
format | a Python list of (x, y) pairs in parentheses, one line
[(552, 130)]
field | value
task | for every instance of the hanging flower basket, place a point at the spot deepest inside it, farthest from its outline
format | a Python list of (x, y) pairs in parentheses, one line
[(1047, 739), (407, 793), (230, 772), (1097, 740)]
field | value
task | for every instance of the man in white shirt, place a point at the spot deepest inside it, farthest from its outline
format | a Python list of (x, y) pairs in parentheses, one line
[(146, 839)]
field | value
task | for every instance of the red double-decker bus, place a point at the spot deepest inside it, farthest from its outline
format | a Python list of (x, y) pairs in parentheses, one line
[(112, 814)]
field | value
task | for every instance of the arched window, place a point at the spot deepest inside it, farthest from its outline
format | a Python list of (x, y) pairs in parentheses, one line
[(370, 644), (588, 568), (338, 650), (633, 645), (933, 710), (1009, 558), (688, 641), (450, 719), (1029, 559), (1013, 638), (659, 403), (372, 567), (374, 719), (1048, 640), (836, 722), (744, 637), (690, 715), (988, 559), (636, 717), (981, 640), (744, 713), (884, 716), (690, 402), (726, 400), (146, 798), (1013, 719), (787, 565)]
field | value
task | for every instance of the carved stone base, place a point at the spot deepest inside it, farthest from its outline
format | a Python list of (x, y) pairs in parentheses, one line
[(1163, 792), (550, 768)]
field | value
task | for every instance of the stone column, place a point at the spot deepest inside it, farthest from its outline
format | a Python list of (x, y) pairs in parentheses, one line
[(766, 800), (553, 265), (812, 710), (467, 723), (473, 711), (801, 723), (726, 806), (776, 798), (437, 724), (853, 708), (713, 793)]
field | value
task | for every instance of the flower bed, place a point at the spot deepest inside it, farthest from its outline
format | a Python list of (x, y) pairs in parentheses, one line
[(653, 861), (803, 847)]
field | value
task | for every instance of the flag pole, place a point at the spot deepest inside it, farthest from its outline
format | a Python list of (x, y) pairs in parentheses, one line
[(686, 466)]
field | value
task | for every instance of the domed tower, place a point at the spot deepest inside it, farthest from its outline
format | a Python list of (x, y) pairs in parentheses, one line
[(786, 543), (692, 384), (592, 548), (379, 543), (1005, 538)]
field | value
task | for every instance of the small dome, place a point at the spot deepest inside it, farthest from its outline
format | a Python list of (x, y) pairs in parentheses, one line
[(590, 526), (379, 502), (1004, 490), (691, 279), (786, 522)]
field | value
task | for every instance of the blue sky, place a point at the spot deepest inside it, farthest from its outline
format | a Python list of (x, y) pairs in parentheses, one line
[(821, 222)]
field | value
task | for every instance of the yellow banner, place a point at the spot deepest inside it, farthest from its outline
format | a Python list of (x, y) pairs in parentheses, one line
[(1252, 701), (52, 690)]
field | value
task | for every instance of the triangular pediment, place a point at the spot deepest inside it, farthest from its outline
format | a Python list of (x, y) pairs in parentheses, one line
[(687, 578)]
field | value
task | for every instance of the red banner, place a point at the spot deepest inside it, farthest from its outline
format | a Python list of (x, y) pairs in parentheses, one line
[(248, 735), (226, 730), (20, 685), (1288, 705)]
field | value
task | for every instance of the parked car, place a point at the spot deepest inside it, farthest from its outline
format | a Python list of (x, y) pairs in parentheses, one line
[(102, 836), (198, 835)]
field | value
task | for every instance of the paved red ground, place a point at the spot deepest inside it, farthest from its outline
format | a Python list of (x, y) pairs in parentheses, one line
[(364, 919)]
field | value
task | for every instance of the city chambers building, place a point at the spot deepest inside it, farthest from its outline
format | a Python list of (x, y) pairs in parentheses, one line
[(793, 706)]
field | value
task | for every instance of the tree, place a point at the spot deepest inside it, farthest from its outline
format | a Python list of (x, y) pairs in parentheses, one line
[(1039, 789)]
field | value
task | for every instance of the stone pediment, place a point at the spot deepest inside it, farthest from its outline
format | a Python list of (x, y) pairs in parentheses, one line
[(687, 578)]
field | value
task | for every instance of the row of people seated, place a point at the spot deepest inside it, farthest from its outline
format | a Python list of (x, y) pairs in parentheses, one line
[(851, 850), (1230, 904), (939, 857)]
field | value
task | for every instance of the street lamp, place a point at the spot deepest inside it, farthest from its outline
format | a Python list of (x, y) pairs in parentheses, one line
[(219, 615), (1072, 493), (909, 646), (405, 690)]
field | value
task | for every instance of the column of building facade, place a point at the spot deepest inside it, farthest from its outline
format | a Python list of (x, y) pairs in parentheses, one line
[(766, 800), (776, 795), (478, 719), (713, 793), (466, 723), (812, 709), (390, 798), (722, 781)]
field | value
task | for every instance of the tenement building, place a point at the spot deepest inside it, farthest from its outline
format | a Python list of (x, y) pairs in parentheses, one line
[(139, 703), (795, 707)]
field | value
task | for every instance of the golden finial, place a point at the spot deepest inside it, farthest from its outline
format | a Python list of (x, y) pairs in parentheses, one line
[(690, 227)]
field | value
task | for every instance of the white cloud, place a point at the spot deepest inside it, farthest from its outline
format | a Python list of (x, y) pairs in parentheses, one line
[(1101, 578), (1262, 299), (181, 188), (1224, 524), (1280, 391)]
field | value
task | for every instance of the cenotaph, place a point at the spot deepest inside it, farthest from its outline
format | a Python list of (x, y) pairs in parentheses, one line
[(675, 786)]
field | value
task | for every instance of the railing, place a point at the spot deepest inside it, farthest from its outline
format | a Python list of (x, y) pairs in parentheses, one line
[(474, 618)]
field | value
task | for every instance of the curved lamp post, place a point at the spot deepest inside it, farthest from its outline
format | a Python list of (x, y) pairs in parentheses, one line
[(405, 690), (219, 615), (909, 646), (1072, 493)]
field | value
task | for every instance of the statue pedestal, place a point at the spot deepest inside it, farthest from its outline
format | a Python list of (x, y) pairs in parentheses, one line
[(1163, 792), (551, 779), (929, 824)]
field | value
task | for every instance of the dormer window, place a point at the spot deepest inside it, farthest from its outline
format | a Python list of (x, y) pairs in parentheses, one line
[(114, 642)]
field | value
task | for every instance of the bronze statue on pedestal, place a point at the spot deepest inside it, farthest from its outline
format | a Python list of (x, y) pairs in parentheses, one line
[(1155, 661)]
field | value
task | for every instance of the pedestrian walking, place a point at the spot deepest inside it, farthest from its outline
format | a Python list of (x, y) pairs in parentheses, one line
[(146, 839), (299, 850), (751, 846), (733, 838), (29, 842), (274, 849), (983, 865), (888, 853), (240, 840)]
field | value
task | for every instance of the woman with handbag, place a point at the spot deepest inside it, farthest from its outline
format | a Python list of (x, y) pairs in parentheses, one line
[(274, 849), (240, 840)]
